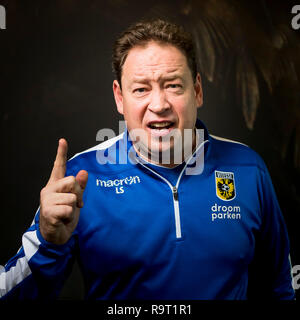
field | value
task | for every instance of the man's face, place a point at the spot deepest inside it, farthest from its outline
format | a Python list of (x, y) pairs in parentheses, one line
[(158, 95)]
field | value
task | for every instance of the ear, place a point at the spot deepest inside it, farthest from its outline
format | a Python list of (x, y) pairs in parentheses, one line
[(118, 96), (198, 91)]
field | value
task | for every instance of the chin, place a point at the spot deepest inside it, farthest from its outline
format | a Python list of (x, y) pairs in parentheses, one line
[(163, 154)]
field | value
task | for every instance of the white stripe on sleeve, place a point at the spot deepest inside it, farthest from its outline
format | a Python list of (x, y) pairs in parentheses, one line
[(17, 273)]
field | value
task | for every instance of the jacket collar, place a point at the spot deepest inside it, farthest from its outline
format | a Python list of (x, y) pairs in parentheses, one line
[(127, 153)]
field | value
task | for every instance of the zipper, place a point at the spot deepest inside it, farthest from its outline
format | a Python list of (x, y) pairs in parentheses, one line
[(174, 190), (176, 212), (175, 193)]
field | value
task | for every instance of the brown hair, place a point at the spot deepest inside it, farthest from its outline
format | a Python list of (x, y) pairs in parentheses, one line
[(140, 33)]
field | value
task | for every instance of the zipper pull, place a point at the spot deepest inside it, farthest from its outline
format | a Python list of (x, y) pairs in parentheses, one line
[(175, 193)]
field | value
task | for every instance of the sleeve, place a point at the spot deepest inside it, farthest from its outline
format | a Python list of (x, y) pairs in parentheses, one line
[(270, 274), (39, 269)]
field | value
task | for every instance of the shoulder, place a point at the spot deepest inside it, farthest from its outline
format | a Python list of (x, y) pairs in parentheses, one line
[(90, 158), (235, 152), (101, 146)]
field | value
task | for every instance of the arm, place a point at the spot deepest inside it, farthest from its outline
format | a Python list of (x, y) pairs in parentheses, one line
[(39, 269), (42, 264), (270, 273)]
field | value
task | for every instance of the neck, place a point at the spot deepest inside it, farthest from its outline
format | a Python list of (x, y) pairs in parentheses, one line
[(158, 160)]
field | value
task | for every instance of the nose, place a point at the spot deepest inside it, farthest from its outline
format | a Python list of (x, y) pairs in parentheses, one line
[(158, 103)]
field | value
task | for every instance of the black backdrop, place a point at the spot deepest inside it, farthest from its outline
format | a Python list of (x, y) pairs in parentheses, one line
[(56, 81)]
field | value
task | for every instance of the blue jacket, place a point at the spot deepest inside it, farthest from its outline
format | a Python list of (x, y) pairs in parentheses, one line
[(149, 232)]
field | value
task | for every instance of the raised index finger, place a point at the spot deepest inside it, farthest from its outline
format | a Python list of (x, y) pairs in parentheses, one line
[(59, 167)]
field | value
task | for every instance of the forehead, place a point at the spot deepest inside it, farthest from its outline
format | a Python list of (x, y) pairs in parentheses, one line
[(154, 60)]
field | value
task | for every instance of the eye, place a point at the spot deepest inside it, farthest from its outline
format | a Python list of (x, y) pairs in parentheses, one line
[(174, 86), (139, 91)]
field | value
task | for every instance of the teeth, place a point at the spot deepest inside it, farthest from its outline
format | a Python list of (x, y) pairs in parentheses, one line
[(160, 124)]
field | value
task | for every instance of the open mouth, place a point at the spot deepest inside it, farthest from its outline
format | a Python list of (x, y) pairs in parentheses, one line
[(160, 125), (160, 128)]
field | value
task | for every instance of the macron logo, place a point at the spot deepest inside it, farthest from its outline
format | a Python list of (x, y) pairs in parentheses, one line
[(118, 184)]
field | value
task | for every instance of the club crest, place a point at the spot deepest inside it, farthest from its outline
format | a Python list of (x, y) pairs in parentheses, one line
[(225, 187)]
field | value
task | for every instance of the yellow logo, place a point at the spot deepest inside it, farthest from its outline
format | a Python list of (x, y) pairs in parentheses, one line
[(225, 188)]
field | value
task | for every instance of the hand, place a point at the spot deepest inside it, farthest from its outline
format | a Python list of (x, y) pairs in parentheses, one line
[(61, 200)]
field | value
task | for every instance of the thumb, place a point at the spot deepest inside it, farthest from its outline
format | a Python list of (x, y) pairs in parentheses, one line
[(82, 178)]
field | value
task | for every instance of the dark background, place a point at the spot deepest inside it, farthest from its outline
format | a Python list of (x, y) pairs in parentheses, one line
[(56, 81)]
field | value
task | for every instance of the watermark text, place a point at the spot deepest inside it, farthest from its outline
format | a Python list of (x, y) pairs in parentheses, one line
[(2, 17), (165, 148), (296, 19)]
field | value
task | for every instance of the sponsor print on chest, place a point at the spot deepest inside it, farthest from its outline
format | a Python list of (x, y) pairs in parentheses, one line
[(119, 185)]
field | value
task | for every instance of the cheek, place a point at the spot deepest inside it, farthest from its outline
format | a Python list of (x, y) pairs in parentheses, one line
[(185, 108), (134, 114), (178, 103)]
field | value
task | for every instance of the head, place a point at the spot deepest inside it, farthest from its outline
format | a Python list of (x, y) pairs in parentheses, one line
[(157, 87)]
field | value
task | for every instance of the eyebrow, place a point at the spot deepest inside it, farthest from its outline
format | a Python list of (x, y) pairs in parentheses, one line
[(166, 78)]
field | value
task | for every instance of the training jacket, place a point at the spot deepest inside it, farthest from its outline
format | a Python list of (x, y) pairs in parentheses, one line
[(211, 228)]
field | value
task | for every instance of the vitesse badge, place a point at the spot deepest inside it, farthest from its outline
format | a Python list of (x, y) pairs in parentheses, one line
[(225, 188)]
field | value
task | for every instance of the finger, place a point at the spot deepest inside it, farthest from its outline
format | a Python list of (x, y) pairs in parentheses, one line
[(70, 184), (59, 167), (65, 185), (53, 199), (62, 213)]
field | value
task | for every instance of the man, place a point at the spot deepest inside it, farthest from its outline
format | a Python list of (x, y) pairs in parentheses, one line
[(142, 227)]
